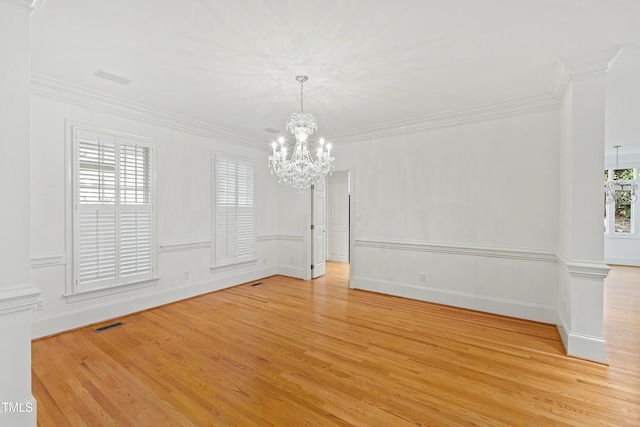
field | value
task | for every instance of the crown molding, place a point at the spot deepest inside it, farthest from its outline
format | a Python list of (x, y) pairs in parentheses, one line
[(567, 70), (23, 4), (593, 64), (513, 107), (59, 90)]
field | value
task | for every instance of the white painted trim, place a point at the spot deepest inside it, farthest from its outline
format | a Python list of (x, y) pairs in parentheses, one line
[(588, 269), (567, 70), (18, 298), (594, 347), (129, 303), (505, 307), (185, 246), (456, 249), (22, 4), (63, 91), (111, 290), (621, 236), (591, 65), (582, 346), (618, 260), (266, 238), (290, 238), (48, 259), (295, 272), (234, 265), (513, 107)]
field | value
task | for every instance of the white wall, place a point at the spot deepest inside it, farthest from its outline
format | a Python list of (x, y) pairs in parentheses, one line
[(184, 208), (474, 207)]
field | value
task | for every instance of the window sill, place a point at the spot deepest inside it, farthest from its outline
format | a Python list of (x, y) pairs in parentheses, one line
[(88, 294), (226, 267), (631, 236)]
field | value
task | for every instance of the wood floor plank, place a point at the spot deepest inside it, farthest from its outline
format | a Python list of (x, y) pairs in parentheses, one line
[(316, 353)]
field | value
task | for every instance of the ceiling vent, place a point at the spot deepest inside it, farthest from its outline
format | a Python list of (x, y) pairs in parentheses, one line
[(112, 77)]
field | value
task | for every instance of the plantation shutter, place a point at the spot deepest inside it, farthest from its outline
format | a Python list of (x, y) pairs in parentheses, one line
[(113, 228), (245, 213), (226, 211), (235, 222), (96, 209), (135, 210)]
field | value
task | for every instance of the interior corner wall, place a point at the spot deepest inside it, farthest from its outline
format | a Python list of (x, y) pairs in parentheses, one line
[(464, 215), (581, 247), (184, 215), (293, 237)]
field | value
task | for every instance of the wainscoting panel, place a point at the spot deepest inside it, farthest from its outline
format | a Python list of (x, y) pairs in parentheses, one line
[(507, 281)]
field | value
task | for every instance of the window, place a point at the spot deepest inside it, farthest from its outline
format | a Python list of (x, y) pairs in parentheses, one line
[(620, 214), (234, 211), (113, 210)]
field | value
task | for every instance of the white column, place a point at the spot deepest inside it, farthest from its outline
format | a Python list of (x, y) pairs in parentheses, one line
[(17, 294), (581, 240)]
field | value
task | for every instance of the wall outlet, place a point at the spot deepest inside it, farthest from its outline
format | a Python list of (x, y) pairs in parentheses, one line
[(291, 260), (422, 277), (187, 276), (39, 304)]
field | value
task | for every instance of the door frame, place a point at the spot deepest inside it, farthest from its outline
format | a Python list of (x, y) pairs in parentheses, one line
[(352, 217)]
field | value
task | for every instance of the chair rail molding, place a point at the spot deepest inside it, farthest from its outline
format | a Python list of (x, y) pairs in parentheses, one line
[(188, 245), (48, 259), (586, 269), (18, 298), (458, 249)]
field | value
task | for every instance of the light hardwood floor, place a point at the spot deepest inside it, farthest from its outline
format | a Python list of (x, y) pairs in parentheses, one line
[(315, 353)]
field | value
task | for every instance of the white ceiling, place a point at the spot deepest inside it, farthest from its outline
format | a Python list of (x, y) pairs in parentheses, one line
[(233, 63)]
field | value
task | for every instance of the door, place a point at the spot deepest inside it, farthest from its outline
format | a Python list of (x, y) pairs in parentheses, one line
[(338, 216), (318, 232)]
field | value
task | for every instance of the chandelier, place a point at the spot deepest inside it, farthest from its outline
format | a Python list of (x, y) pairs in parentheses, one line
[(301, 169), (613, 188)]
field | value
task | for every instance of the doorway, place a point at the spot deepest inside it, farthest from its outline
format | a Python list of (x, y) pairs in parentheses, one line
[(331, 236), (338, 214)]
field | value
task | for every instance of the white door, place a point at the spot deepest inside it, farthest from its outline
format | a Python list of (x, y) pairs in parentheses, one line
[(338, 216), (318, 224)]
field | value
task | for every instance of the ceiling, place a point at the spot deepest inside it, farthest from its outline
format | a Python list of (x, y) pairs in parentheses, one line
[(233, 63)]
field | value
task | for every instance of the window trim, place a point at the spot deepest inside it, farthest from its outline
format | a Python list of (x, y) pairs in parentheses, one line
[(72, 293), (635, 207), (237, 262)]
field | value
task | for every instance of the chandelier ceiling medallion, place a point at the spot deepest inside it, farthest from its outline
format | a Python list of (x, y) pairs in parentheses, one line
[(615, 189), (301, 169)]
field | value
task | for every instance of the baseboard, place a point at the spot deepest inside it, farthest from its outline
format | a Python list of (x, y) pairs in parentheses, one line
[(618, 260), (87, 315), (586, 347), (295, 272), (505, 307), (19, 414)]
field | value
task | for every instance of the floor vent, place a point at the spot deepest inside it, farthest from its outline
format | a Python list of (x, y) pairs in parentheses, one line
[(256, 284), (104, 328)]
